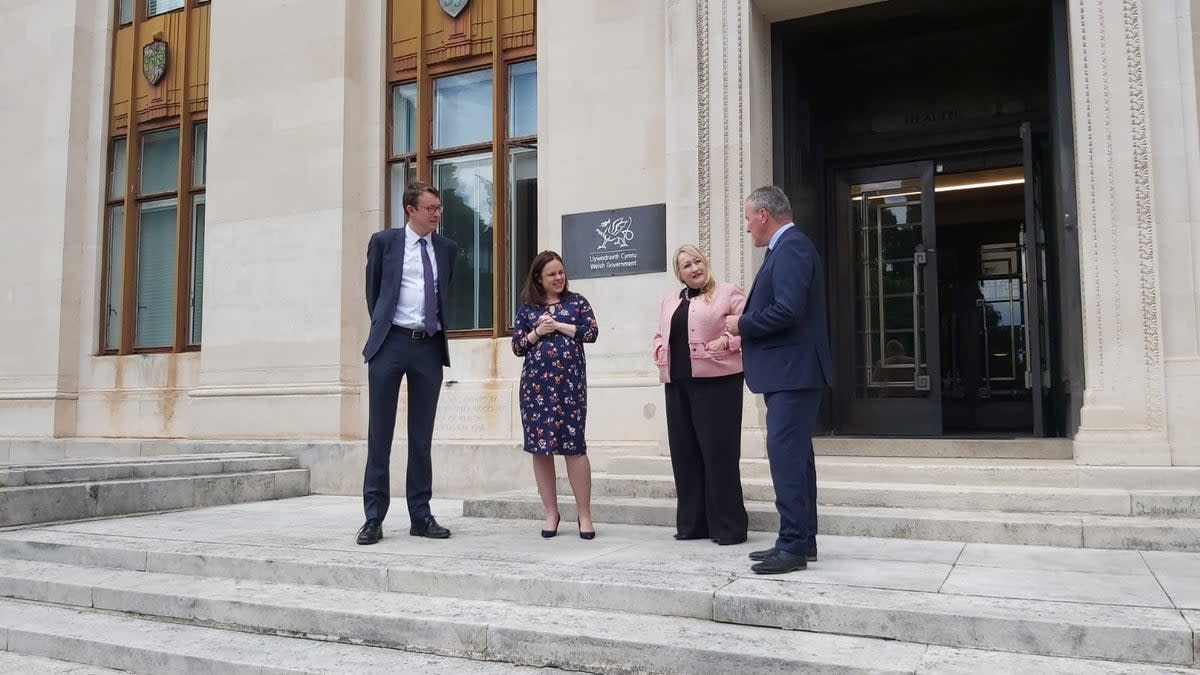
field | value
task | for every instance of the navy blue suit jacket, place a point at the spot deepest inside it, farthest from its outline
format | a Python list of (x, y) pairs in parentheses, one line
[(385, 265), (785, 342)]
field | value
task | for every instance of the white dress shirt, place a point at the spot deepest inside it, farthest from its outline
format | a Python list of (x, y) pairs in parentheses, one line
[(410, 308)]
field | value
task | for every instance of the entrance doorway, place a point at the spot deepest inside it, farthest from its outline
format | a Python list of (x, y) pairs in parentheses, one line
[(946, 278), (929, 157)]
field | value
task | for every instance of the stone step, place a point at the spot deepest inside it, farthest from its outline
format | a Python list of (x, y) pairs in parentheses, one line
[(995, 527), (12, 662), (100, 469), (131, 644), (589, 640), (815, 602), (950, 471), (25, 504), (1101, 501), (978, 448)]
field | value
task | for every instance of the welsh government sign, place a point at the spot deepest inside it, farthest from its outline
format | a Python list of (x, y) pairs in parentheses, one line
[(615, 242)]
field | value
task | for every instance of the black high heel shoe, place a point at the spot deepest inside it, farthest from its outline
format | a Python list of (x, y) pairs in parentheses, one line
[(585, 535), (546, 534)]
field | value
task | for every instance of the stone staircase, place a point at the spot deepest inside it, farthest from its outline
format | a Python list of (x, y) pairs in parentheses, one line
[(39, 491), (1048, 502), (280, 587)]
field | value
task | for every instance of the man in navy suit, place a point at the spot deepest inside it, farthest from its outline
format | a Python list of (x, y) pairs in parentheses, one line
[(785, 354), (408, 273)]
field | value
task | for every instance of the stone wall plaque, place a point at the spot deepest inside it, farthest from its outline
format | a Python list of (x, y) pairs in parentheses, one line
[(467, 411), (615, 242)]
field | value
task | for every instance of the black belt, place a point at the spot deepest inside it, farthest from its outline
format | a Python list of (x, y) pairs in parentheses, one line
[(414, 334)]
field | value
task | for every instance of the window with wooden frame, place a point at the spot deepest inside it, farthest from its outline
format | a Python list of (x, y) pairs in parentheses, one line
[(152, 271), (462, 115)]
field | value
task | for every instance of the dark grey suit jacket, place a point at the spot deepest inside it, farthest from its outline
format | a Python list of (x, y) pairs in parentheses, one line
[(385, 266), (785, 342)]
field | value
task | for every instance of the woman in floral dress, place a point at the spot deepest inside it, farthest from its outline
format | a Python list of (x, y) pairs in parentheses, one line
[(549, 330)]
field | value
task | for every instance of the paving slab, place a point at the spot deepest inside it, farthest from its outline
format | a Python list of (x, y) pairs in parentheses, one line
[(1106, 589), (1183, 591), (1173, 563), (1053, 558)]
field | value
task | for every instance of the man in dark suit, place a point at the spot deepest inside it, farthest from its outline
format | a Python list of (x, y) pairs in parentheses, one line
[(408, 274), (785, 354)]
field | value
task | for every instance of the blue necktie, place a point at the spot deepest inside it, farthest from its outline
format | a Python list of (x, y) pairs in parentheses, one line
[(431, 308)]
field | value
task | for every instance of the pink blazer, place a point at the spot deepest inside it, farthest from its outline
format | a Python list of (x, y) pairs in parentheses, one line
[(706, 322)]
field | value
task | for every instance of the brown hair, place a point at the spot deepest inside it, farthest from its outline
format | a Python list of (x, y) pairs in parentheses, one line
[(413, 192), (709, 282), (533, 293)]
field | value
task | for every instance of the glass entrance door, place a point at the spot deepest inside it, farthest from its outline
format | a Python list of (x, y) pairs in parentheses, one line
[(889, 379)]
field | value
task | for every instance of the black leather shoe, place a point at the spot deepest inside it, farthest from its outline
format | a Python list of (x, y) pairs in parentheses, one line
[(689, 537), (371, 532), (429, 528), (759, 556), (729, 541), (780, 562)]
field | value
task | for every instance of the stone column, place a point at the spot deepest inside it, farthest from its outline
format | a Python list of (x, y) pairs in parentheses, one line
[(719, 139), (54, 140), (1123, 420), (295, 179)]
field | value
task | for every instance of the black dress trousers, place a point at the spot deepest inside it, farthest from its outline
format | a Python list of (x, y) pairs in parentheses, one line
[(704, 429)]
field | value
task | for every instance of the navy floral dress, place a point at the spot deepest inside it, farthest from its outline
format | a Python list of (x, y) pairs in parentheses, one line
[(554, 378)]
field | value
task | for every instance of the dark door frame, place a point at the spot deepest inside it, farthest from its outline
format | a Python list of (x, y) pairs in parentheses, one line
[(918, 415)]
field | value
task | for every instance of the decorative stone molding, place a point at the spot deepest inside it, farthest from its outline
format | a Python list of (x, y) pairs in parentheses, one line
[(702, 151), (1123, 419), (722, 144)]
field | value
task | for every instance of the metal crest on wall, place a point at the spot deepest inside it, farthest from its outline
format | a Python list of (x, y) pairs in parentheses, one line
[(154, 61), (453, 7)]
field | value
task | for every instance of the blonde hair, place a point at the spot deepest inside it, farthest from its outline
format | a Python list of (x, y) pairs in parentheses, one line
[(709, 282)]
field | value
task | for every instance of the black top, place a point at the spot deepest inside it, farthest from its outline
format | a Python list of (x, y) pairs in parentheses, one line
[(680, 354)]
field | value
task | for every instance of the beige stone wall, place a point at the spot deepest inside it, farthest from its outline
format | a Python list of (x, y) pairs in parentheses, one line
[(53, 112), (294, 192)]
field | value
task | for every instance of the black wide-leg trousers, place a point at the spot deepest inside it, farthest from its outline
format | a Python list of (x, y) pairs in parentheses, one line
[(704, 429)]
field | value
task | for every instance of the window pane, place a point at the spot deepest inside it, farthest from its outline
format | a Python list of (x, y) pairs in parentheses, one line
[(522, 220), (196, 297), (114, 272), (462, 109), (160, 161), (116, 173), (404, 119), (199, 154), (154, 7), (125, 11), (156, 274), (466, 187), (400, 174), (522, 99)]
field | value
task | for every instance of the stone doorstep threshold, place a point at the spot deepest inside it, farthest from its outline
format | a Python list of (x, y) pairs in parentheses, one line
[(1053, 628), (490, 630)]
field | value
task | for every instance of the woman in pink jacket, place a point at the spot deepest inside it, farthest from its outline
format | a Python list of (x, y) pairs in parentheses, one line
[(701, 367)]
